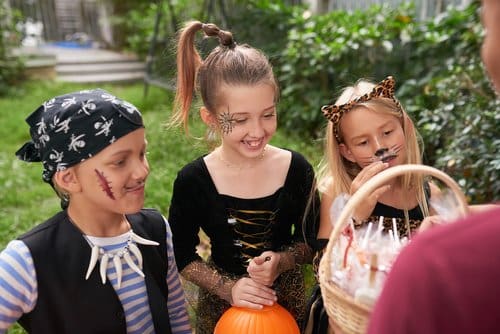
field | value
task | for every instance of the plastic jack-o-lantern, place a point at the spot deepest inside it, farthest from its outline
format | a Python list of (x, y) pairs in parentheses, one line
[(269, 320)]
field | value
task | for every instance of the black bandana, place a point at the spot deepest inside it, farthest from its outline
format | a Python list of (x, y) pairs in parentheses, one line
[(70, 128)]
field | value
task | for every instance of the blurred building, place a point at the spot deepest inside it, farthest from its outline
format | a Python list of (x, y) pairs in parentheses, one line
[(424, 8), (65, 20)]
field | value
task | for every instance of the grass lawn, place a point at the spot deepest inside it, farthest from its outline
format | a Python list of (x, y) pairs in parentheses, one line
[(25, 200)]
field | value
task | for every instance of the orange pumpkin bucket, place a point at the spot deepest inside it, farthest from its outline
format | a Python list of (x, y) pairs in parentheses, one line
[(269, 320)]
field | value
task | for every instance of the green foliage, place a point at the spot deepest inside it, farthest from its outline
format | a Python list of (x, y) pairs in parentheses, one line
[(327, 52), (440, 79), (10, 66)]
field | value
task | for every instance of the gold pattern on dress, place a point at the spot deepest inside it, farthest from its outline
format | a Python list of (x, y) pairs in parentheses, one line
[(252, 231)]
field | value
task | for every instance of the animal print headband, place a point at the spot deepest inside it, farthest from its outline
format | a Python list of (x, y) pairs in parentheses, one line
[(384, 89)]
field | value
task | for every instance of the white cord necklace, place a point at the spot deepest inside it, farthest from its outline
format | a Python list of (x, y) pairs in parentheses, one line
[(117, 255)]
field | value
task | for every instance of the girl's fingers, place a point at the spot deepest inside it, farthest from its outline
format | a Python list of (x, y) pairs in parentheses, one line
[(380, 191), (253, 295), (367, 173)]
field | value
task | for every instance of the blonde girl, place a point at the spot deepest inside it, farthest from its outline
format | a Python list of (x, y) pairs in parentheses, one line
[(368, 131)]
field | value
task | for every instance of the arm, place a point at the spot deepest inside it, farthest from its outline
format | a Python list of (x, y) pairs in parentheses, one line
[(184, 218), (243, 292), (179, 320), (18, 285), (325, 225)]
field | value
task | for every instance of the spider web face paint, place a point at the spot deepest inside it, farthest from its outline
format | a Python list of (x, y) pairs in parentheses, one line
[(105, 184), (226, 122)]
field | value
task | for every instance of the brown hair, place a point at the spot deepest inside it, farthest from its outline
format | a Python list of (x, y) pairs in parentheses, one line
[(228, 64)]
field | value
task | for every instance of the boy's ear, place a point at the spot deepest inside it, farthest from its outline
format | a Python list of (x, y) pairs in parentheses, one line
[(67, 180), (207, 117), (346, 153)]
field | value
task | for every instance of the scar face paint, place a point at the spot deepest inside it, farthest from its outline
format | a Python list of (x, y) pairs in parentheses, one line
[(226, 122), (105, 184)]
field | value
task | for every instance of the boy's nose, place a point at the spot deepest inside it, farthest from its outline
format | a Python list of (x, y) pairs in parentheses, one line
[(142, 170)]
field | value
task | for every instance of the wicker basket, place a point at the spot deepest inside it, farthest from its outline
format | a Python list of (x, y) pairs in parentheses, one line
[(349, 316)]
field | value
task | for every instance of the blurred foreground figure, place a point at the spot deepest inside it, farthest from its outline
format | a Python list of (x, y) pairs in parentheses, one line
[(446, 280)]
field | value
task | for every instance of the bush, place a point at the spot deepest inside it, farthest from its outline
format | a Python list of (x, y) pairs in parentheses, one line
[(10, 66)]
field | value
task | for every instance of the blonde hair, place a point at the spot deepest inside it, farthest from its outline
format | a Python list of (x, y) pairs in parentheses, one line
[(336, 173)]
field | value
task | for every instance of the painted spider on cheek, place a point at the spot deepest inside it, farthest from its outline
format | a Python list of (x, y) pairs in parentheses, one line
[(226, 122)]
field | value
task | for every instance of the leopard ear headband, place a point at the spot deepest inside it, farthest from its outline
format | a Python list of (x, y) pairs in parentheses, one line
[(334, 113)]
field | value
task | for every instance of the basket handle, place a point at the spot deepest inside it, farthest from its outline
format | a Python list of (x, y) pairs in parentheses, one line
[(377, 181)]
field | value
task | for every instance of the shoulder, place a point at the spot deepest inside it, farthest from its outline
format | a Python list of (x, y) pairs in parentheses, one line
[(16, 257), (297, 161), (149, 222), (194, 172), (193, 167), (47, 226), (149, 217)]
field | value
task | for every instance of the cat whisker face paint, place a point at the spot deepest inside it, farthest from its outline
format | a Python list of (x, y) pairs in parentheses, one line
[(386, 154), (105, 184)]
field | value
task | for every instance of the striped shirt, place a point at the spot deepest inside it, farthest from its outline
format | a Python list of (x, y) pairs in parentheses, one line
[(18, 287)]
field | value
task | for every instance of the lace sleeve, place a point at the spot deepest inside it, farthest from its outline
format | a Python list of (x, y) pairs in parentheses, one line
[(209, 278), (296, 254)]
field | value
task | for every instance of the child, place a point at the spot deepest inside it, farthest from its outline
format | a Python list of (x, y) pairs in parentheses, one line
[(369, 131), (249, 197), (93, 150)]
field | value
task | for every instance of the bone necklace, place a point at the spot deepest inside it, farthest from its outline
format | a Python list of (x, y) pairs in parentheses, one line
[(98, 253)]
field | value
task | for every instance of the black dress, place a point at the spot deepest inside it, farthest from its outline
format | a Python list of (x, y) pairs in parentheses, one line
[(240, 229)]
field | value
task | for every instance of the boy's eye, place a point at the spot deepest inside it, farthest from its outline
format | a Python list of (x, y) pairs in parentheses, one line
[(361, 143)]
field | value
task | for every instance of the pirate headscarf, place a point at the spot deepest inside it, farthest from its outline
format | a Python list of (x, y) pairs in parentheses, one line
[(71, 128)]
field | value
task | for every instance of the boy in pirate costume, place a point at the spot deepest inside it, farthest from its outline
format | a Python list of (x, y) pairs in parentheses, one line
[(103, 264)]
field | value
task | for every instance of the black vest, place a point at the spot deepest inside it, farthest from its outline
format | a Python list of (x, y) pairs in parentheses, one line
[(67, 303)]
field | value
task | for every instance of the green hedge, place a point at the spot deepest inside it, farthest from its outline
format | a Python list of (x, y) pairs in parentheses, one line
[(440, 79)]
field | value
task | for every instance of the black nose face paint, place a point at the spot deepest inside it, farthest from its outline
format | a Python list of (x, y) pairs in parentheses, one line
[(384, 154), (381, 151)]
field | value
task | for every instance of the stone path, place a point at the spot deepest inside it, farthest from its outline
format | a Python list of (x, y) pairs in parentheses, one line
[(85, 65)]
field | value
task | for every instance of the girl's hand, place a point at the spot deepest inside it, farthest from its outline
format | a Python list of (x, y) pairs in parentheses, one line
[(429, 222), (363, 211), (265, 268), (248, 293)]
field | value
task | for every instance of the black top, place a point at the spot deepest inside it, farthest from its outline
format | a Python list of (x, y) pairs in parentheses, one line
[(239, 228)]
